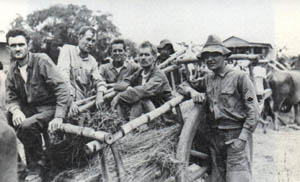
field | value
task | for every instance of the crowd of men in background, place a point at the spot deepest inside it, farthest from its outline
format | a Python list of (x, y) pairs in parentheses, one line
[(41, 95)]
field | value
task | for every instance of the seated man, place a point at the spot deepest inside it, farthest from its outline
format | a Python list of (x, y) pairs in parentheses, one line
[(80, 69), (36, 95), (149, 86), (165, 50), (117, 70)]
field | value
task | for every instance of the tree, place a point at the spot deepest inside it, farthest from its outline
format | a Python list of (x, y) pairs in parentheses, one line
[(59, 25)]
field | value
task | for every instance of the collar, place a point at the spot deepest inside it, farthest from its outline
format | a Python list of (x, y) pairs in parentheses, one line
[(111, 66), (29, 63), (226, 70), (83, 58)]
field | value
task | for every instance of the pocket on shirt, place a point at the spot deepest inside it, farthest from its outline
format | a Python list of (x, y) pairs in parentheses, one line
[(228, 98)]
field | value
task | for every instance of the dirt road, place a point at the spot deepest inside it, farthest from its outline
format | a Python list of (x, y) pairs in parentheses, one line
[(276, 156)]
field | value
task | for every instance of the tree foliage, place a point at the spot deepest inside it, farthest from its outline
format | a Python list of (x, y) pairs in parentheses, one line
[(59, 25)]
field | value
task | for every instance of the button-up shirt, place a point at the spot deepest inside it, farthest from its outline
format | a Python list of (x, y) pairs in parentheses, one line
[(156, 88), (45, 85), (82, 74), (111, 75), (231, 100)]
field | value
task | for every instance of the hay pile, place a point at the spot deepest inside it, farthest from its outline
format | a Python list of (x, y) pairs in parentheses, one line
[(148, 154)]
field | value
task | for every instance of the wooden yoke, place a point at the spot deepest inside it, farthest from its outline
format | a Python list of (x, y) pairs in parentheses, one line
[(145, 118)]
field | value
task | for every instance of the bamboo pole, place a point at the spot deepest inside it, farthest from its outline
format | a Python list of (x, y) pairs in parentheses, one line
[(171, 58), (83, 131), (170, 68), (79, 102), (93, 147), (92, 103), (186, 61), (145, 118)]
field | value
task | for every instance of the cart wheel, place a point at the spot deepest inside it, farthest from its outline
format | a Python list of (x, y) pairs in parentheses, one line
[(190, 171)]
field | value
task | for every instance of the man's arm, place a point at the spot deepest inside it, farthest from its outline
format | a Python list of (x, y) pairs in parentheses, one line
[(153, 87), (57, 83), (247, 90), (12, 98), (64, 67)]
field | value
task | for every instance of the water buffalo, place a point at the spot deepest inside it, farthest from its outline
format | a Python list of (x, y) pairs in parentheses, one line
[(285, 87), (8, 153)]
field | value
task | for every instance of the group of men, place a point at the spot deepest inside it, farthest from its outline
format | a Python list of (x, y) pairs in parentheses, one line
[(40, 95)]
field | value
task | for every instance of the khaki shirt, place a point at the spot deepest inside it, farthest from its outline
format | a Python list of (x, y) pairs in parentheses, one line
[(156, 88), (231, 100), (81, 74), (110, 74)]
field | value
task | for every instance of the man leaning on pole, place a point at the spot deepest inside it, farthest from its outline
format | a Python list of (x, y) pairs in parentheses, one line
[(232, 113)]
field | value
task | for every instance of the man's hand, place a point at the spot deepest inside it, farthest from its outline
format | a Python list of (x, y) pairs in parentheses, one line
[(18, 117), (115, 102), (99, 100), (55, 124), (120, 87), (197, 97), (74, 110), (236, 144)]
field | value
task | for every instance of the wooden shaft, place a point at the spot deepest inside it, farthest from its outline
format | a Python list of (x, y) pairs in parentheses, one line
[(83, 131), (79, 102), (173, 81), (92, 103), (186, 61), (145, 118), (93, 147), (119, 163), (199, 154), (198, 173), (171, 58), (105, 173), (170, 68)]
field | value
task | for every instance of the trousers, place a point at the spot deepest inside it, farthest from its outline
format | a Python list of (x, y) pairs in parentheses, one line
[(29, 133), (228, 164)]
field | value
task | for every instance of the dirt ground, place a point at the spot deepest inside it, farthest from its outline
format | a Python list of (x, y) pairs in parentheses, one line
[(276, 155)]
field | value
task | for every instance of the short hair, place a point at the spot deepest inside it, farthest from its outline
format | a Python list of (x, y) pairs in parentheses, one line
[(84, 29), (118, 41), (150, 45), (16, 32)]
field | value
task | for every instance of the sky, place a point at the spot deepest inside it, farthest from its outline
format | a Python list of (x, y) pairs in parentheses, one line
[(267, 21)]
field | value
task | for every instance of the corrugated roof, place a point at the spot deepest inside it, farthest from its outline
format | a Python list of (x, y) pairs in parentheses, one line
[(238, 42)]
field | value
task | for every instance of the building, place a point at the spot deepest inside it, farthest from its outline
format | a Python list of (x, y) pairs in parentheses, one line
[(241, 46), (4, 53)]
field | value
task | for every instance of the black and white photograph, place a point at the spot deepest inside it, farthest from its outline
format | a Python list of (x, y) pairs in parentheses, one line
[(149, 91)]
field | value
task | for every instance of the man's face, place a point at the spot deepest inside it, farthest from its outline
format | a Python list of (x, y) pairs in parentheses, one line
[(146, 58), (87, 41), (118, 53), (18, 47), (214, 60), (165, 52)]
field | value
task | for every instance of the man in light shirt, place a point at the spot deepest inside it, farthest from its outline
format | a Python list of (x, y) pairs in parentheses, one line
[(80, 69)]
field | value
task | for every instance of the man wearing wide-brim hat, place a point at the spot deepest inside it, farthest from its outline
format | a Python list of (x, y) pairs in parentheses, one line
[(232, 113), (165, 50)]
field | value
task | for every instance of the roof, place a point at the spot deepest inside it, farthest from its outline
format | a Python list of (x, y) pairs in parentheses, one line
[(238, 42), (2, 37)]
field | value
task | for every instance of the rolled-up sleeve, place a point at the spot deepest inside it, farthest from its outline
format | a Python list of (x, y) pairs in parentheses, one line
[(252, 113), (155, 85), (58, 84)]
